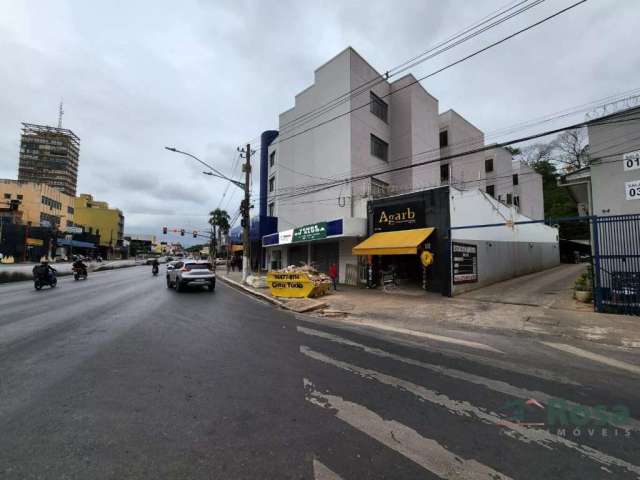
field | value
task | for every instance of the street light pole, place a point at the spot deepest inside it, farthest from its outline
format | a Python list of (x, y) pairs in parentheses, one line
[(245, 210)]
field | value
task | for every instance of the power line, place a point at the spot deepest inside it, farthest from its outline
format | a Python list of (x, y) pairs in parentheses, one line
[(337, 101), (446, 67)]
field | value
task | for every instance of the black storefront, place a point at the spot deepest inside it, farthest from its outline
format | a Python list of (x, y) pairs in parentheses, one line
[(425, 209)]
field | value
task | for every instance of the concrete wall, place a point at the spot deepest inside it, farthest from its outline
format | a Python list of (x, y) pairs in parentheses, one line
[(503, 252), (608, 176)]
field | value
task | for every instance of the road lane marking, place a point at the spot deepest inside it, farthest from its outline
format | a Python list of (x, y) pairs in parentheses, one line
[(578, 352), (462, 408), (322, 472), (423, 451), (431, 336), (495, 385)]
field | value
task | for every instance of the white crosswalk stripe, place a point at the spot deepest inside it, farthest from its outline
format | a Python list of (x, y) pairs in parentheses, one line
[(322, 472), (495, 385), (518, 432), (611, 362), (425, 452)]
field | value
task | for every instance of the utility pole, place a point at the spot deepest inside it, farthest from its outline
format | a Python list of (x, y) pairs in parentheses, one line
[(245, 209)]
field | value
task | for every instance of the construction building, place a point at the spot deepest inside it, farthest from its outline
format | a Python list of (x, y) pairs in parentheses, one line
[(49, 155)]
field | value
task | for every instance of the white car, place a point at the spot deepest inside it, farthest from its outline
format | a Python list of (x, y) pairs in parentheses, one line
[(190, 272)]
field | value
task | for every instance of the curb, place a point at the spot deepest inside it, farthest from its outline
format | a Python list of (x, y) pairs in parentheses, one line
[(262, 296)]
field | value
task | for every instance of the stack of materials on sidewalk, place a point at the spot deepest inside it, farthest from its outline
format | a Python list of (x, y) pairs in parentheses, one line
[(294, 281)]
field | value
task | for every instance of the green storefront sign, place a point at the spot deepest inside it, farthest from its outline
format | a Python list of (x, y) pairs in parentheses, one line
[(315, 231)]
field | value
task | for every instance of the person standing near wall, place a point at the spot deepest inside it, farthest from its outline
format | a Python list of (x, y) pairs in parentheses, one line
[(333, 274)]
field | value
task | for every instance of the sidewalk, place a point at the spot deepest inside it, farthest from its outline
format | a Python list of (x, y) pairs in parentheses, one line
[(420, 311)]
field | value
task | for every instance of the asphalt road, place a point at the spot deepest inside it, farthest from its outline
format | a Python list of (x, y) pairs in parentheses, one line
[(117, 377)]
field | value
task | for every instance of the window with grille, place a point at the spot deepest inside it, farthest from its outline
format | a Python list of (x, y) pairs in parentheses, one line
[(491, 190), (378, 107), (379, 148)]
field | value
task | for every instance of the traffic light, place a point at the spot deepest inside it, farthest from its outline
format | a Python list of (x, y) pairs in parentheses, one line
[(182, 232), (195, 234), (164, 230)]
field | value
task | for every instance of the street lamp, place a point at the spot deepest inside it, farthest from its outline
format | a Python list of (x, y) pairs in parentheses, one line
[(244, 207)]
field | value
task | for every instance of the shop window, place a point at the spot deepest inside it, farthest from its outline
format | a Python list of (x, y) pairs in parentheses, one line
[(379, 148), (491, 190), (378, 107), (515, 179), (444, 173), (444, 139), (488, 165)]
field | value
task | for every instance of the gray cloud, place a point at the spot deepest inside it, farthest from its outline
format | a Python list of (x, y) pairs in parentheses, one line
[(208, 76)]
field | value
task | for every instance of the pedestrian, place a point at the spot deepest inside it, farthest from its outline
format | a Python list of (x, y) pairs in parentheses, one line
[(333, 274)]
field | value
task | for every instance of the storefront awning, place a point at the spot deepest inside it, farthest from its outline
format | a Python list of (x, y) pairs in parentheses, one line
[(236, 248), (401, 242)]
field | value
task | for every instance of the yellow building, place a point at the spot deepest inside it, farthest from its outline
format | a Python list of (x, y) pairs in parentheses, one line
[(98, 219), (39, 205)]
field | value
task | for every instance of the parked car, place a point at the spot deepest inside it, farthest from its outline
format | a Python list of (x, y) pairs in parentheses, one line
[(182, 273)]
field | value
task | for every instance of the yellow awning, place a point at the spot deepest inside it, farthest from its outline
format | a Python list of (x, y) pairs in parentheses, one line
[(236, 248), (401, 242)]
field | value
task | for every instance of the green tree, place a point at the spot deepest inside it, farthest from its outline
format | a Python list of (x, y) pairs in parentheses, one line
[(558, 203), (219, 221)]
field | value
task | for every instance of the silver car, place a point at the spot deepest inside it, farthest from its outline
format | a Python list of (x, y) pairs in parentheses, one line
[(190, 272)]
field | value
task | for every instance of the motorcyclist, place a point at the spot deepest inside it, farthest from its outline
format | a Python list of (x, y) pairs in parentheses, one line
[(155, 265), (44, 270), (80, 265)]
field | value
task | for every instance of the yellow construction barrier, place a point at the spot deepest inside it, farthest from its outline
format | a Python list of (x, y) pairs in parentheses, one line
[(294, 285)]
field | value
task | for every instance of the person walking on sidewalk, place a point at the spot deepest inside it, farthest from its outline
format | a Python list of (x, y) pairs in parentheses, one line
[(333, 274)]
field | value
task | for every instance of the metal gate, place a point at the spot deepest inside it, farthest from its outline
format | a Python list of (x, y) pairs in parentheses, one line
[(616, 263)]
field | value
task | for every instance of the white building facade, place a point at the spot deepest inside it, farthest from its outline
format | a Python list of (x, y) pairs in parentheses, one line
[(381, 125)]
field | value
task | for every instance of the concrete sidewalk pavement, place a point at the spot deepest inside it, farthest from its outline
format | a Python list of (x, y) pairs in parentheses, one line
[(419, 311)]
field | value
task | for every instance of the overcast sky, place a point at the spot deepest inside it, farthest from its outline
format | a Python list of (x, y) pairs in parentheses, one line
[(207, 76)]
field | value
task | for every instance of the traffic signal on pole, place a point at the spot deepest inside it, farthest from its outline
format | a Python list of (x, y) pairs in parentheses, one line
[(195, 234), (182, 232), (164, 230)]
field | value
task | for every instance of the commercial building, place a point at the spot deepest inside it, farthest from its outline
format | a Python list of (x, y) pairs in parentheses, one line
[(95, 217), (49, 155), (377, 127), (36, 204)]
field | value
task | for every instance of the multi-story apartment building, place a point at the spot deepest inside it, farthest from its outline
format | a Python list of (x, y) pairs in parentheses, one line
[(38, 204), (49, 155), (380, 125), (97, 218)]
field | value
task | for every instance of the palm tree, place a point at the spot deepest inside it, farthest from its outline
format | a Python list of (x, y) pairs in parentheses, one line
[(219, 221)]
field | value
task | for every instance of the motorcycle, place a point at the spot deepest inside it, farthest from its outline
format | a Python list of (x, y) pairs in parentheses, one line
[(79, 273), (155, 270), (40, 280)]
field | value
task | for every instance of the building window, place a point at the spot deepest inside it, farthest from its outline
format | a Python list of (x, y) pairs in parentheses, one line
[(379, 188), (272, 209), (491, 190), (516, 201), (515, 179), (379, 148), (488, 165), (444, 139), (509, 198), (20, 196), (70, 210), (378, 107), (7, 195), (272, 159), (272, 184), (444, 173)]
